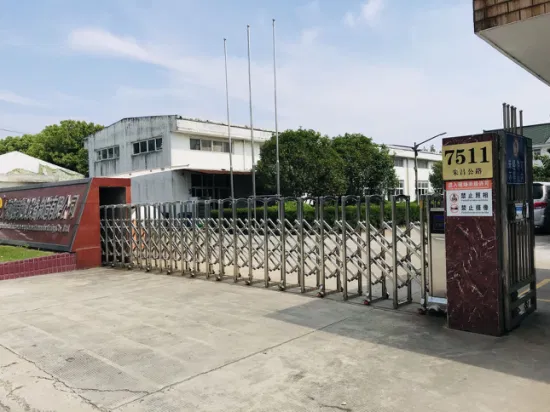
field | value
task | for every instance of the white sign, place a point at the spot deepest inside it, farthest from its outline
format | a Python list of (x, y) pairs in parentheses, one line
[(470, 198)]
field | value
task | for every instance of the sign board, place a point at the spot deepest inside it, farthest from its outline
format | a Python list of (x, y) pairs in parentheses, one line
[(516, 147), (468, 161), (469, 198), (42, 217)]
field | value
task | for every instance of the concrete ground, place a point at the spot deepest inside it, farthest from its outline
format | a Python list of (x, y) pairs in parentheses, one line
[(113, 340)]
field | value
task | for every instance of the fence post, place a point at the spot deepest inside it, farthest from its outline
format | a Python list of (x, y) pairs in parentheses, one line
[(394, 252), (282, 232), (207, 251), (266, 245), (236, 273), (344, 251), (423, 207), (321, 246), (368, 243), (408, 255), (301, 268), (250, 226), (220, 240)]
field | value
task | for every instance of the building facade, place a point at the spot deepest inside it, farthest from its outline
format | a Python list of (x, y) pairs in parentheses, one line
[(404, 169), (171, 158)]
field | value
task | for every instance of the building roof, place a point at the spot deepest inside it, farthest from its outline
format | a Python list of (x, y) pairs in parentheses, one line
[(538, 133), (24, 168)]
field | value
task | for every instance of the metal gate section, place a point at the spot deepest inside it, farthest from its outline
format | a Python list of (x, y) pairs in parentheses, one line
[(356, 247)]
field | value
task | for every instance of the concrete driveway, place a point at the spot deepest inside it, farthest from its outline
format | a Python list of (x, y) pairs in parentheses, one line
[(106, 340)]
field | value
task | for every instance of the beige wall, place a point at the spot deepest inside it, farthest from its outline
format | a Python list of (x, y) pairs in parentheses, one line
[(492, 13)]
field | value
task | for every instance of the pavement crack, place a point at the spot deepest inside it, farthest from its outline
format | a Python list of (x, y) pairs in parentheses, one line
[(340, 408), (54, 379), (77, 388), (13, 390), (236, 361), (8, 365)]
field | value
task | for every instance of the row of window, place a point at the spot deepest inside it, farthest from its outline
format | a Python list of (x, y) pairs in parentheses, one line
[(147, 146), (400, 162), (108, 153), (423, 187), (210, 145), (141, 147)]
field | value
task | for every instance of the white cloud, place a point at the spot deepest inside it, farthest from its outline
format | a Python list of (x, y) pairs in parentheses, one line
[(10, 97), (428, 89), (369, 12), (309, 36)]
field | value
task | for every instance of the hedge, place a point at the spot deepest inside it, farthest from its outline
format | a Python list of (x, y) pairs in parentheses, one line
[(329, 213)]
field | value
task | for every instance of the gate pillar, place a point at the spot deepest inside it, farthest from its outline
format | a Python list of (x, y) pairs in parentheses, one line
[(489, 244)]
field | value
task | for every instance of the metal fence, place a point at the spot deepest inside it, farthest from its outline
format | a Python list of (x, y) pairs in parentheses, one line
[(353, 246)]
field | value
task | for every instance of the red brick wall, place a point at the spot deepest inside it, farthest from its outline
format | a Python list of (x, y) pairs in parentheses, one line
[(493, 13), (60, 262)]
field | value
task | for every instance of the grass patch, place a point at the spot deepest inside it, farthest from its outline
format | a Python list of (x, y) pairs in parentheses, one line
[(11, 253)]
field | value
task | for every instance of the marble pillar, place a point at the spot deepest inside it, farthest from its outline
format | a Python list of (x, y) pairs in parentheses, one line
[(474, 286)]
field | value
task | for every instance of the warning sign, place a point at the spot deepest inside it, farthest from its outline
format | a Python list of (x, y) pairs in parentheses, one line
[(470, 198)]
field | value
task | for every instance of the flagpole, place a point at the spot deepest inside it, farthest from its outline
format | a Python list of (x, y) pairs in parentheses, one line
[(251, 118), (228, 121), (277, 166)]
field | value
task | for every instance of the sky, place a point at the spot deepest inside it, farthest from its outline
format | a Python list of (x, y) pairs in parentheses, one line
[(398, 71)]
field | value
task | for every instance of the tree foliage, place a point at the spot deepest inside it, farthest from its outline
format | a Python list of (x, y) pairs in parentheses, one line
[(369, 167), (436, 176), (541, 172), (312, 164), (309, 165), (61, 144)]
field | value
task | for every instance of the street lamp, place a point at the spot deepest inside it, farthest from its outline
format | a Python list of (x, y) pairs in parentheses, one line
[(415, 148)]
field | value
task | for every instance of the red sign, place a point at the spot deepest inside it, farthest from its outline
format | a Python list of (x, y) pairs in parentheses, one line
[(42, 217)]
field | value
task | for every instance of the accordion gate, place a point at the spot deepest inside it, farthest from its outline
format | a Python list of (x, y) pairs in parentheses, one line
[(351, 246)]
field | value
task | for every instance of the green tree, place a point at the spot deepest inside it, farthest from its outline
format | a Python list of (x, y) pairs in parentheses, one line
[(16, 143), (309, 165), (368, 166), (61, 144), (541, 172), (436, 176)]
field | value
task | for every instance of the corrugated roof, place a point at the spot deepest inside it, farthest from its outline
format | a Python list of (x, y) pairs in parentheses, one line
[(538, 133)]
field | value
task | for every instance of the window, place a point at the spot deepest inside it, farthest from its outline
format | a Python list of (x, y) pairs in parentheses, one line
[(209, 145), (108, 153), (195, 144), (422, 164), (423, 187), (398, 190), (147, 146), (210, 186), (399, 162)]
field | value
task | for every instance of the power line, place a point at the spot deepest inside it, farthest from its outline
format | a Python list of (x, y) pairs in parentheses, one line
[(12, 131)]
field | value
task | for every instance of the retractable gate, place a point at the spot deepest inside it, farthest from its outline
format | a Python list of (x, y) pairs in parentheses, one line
[(518, 225), (363, 247)]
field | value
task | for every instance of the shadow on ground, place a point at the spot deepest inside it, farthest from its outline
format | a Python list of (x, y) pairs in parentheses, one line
[(525, 352)]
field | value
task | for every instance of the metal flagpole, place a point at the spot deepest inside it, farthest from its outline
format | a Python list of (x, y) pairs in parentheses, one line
[(228, 121), (278, 171), (251, 119)]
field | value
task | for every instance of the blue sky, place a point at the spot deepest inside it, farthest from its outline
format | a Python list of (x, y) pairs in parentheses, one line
[(396, 70)]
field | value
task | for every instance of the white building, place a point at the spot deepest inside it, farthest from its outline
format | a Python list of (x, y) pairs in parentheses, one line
[(19, 169), (171, 158), (404, 169)]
